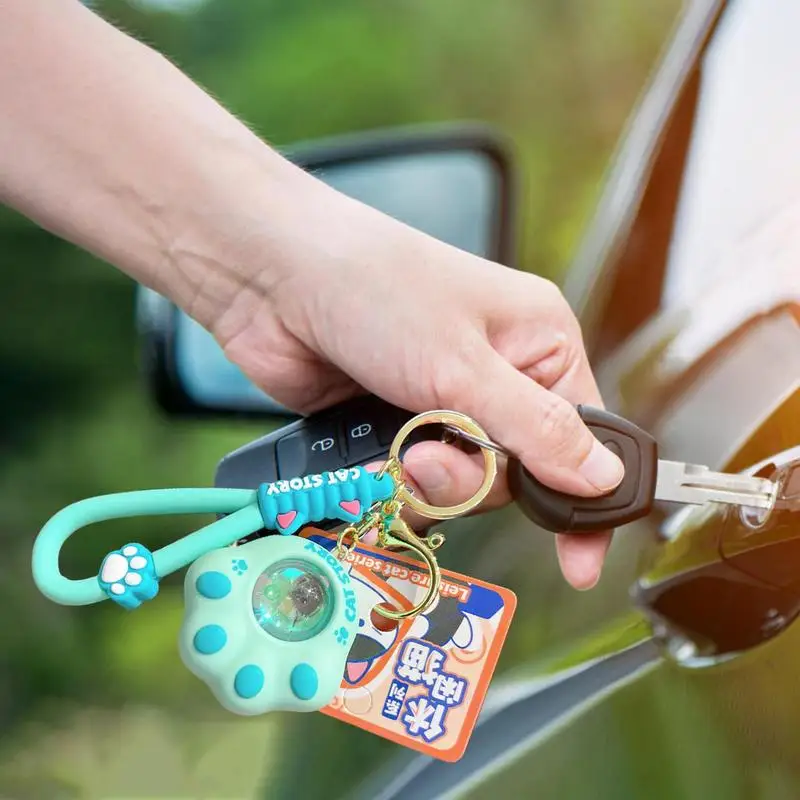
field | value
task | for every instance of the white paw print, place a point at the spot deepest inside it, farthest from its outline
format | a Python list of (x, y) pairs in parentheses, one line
[(118, 568)]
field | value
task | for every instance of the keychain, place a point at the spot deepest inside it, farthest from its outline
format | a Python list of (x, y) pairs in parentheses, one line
[(268, 624)]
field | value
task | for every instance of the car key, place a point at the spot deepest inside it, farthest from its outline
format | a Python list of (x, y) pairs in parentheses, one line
[(350, 434), (647, 479)]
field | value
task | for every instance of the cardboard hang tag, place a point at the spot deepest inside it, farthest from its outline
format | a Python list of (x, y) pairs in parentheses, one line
[(420, 682)]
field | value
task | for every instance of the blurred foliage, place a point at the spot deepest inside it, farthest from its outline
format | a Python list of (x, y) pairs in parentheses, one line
[(559, 77)]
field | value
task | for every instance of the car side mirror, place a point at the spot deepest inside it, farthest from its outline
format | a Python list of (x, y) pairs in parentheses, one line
[(454, 183)]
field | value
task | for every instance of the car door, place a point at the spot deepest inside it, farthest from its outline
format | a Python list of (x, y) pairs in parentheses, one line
[(688, 288), (714, 374), (704, 355)]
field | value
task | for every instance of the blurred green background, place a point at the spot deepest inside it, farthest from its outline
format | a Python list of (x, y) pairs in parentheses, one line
[(94, 702)]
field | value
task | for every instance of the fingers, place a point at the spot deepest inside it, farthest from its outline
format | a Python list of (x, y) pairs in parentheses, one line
[(532, 414), (446, 476), (442, 475), (543, 429), (581, 557)]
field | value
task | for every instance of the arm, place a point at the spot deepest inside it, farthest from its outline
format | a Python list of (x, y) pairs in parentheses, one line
[(107, 144)]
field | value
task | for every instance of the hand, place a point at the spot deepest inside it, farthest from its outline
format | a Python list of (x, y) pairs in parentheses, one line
[(315, 296), (365, 303)]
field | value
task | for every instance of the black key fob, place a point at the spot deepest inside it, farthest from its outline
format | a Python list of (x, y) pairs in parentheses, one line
[(632, 499), (350, 434)]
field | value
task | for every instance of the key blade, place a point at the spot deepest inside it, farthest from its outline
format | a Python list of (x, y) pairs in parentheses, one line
[(693, 484)]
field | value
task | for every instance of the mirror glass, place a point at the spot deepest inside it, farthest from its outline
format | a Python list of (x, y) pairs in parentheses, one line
[(451, 195)]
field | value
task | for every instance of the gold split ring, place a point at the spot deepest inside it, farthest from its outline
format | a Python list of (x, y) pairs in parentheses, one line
[(461, 422)]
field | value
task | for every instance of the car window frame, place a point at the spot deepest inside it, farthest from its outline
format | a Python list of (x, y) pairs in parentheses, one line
[(616, 280)]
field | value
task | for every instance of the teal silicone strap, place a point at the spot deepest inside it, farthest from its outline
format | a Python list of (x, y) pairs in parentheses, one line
[(283, 505), (240, 504)]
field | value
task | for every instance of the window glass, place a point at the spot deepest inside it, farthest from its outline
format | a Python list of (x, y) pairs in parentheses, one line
[(743, 170)]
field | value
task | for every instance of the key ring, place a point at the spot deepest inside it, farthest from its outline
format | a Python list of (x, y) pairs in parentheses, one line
[(394, 532), (461, 424), (400, 534), (385, 516), (483, 443)]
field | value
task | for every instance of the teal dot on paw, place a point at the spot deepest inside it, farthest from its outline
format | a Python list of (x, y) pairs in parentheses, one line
[(213, 585), (304, 681), (249, 681), (210, 639)]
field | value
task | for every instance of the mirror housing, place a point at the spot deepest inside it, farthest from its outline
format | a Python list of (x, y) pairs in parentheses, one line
[(456, 183)]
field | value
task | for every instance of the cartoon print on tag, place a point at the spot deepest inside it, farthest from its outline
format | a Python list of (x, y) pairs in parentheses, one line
[(460, 626), (422, 682), (454, 626), (370, 644)]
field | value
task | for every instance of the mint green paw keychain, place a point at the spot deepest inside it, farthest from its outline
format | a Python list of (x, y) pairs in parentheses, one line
[(268, 624)]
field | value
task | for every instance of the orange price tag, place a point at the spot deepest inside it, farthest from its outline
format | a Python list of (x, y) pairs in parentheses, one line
[(420, 682)]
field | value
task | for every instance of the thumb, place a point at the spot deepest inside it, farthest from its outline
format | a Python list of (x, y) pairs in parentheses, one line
[(538, 426)]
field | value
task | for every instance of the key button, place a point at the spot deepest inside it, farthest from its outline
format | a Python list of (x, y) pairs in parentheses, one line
[(310, 450), (362, 438), (361, 431)]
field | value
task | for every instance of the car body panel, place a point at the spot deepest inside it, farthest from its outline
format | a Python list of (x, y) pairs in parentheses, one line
[(712, 372), (605, 285)]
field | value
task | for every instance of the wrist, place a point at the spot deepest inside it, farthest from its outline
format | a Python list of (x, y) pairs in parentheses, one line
[(285, 239), (220, 234)]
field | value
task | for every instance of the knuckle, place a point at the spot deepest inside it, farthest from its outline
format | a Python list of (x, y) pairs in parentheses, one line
[(555, 418), (560, 308), (548, 371), (552, 294), (571, 350)]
